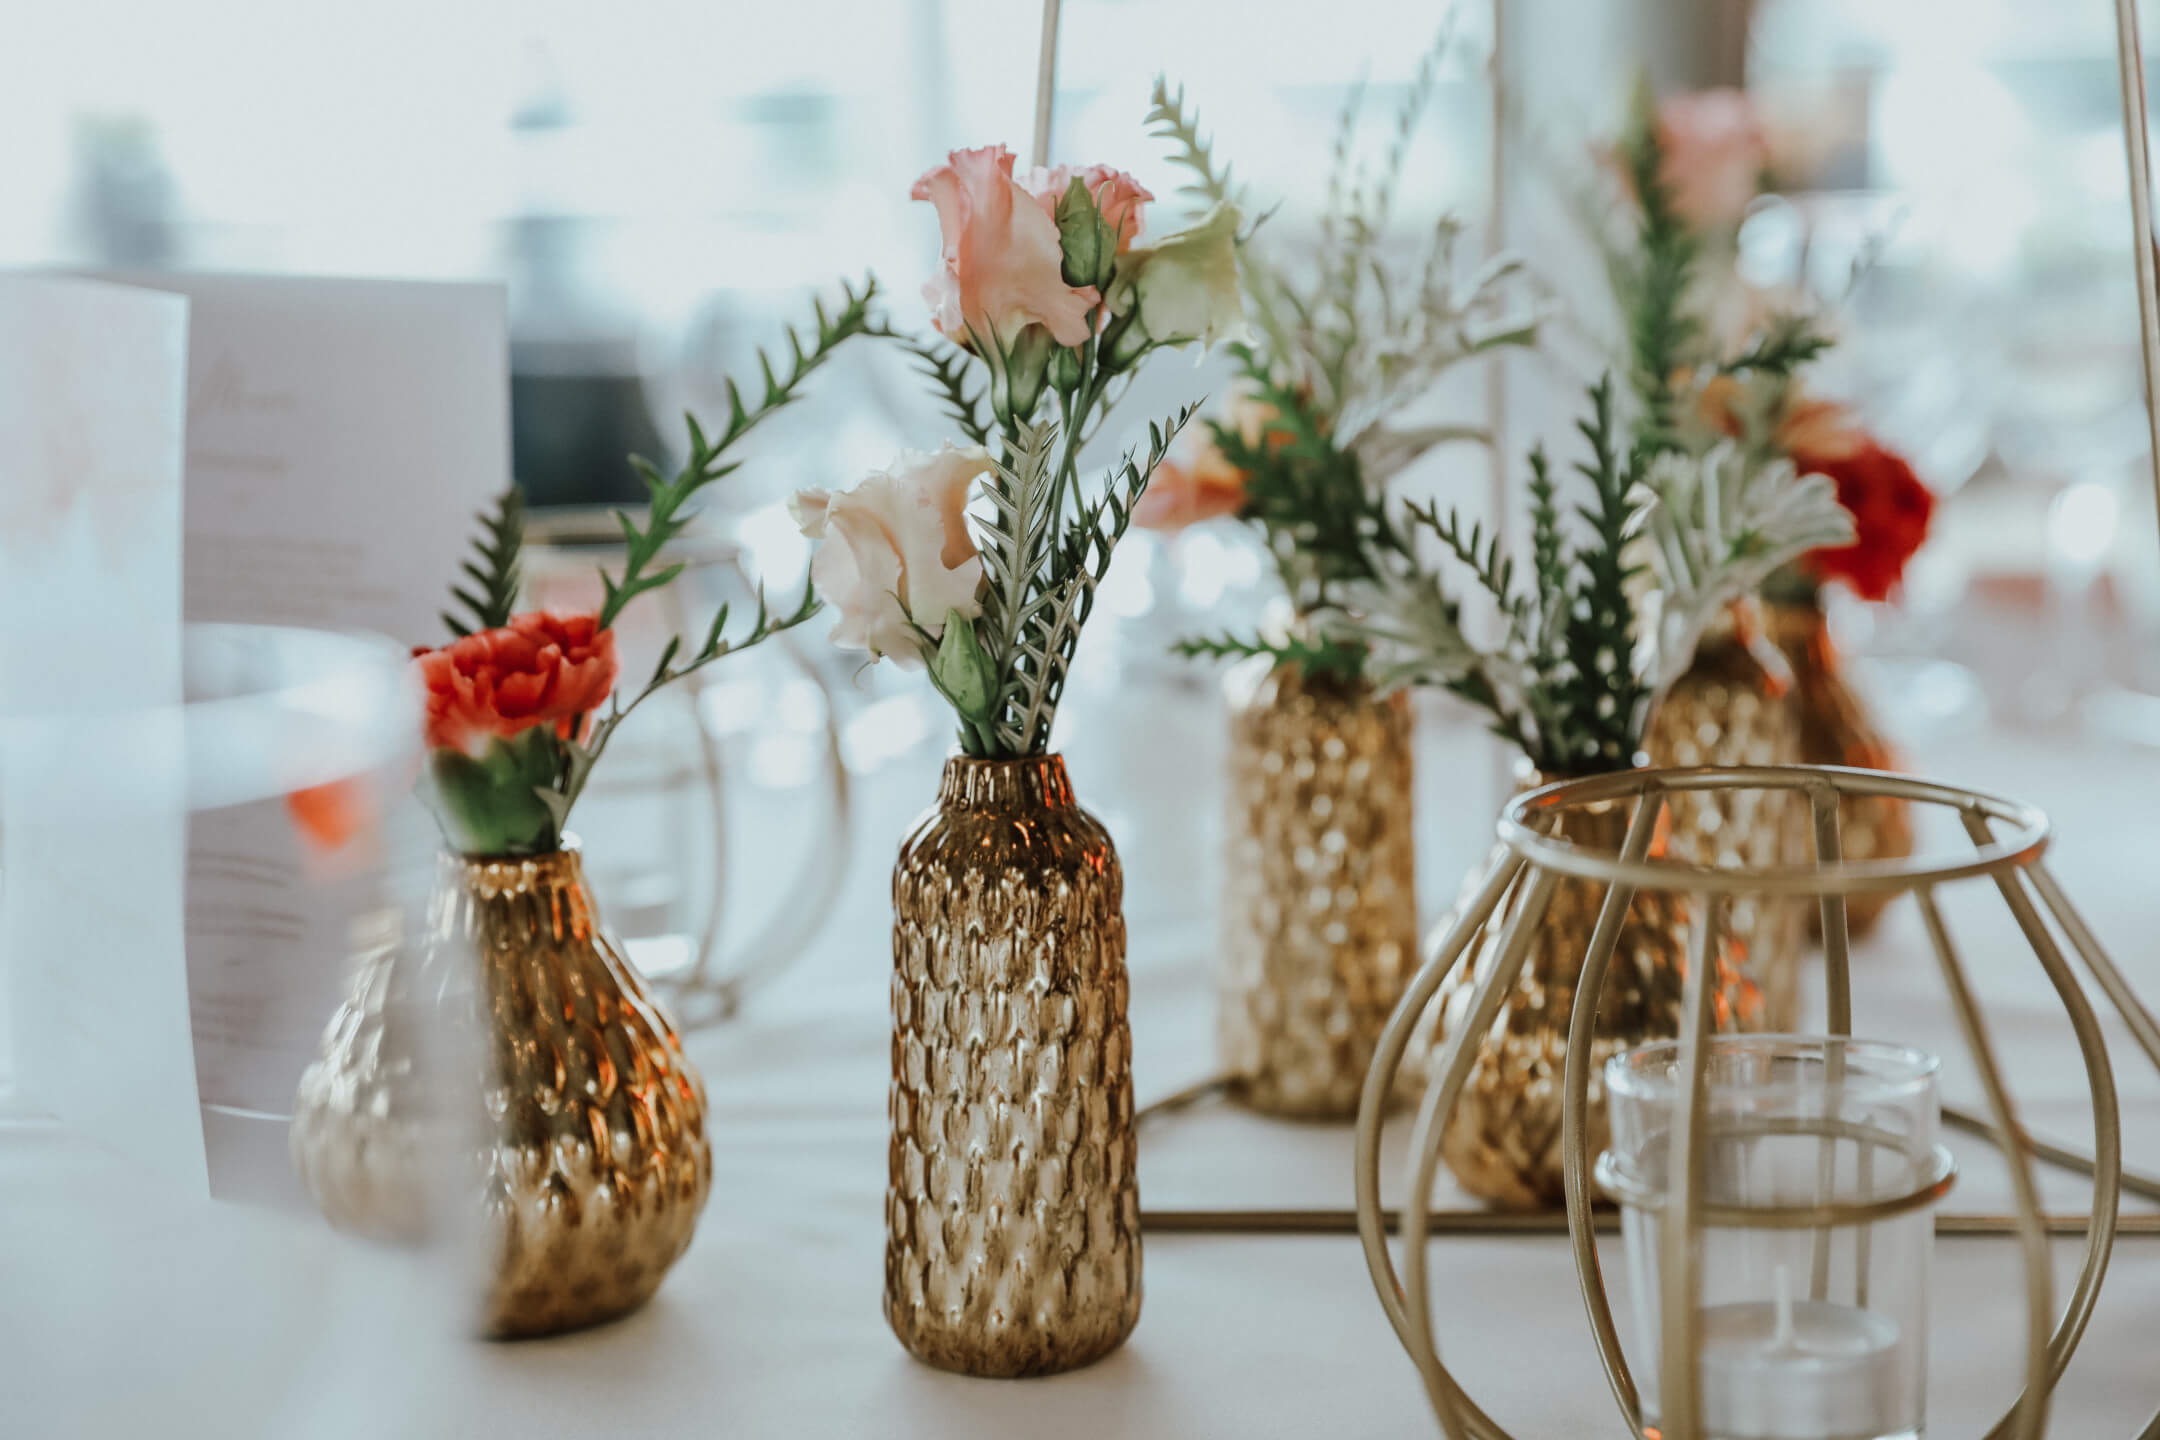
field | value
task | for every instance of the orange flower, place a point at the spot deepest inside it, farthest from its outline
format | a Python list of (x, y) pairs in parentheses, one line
[(1207, 487), (1823, 430), (540, 669), (332, 815), (1200, 484)]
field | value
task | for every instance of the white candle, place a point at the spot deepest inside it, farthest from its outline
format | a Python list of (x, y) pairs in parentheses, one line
[(1806, 1370)]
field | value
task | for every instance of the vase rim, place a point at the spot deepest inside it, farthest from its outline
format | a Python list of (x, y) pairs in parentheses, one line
[(983, 780), (566, 856), (1531, 775)]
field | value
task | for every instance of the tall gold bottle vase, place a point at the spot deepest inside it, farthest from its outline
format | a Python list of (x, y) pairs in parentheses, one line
[(1836, 729), (1320, 888), (1012, 1208), (1734, 707), (592, 1161), (1502, 1141)]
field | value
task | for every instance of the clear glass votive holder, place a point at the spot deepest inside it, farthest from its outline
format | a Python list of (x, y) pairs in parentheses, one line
[(1821, 1169)]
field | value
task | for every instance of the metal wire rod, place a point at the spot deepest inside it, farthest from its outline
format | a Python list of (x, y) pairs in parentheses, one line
[(1445, 1224)]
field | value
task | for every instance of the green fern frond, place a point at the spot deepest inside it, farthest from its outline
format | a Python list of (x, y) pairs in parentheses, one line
[(1168, 119), (1783, 345), (1661, 330), (945, 366), (664, 517), (1323, 655), (495, 570)]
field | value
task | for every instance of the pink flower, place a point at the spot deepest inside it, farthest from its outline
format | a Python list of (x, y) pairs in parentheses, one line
[(1716, 146), (1003, 266), (1118, 197)]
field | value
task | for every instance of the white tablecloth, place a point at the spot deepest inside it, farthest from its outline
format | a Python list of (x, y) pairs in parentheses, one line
[(124, 1313)]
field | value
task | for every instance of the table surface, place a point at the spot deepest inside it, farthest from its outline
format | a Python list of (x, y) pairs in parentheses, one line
[(125, 1312)]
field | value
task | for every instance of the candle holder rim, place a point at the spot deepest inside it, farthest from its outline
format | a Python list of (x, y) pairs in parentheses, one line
[(1617, 1183), (1626, 1073), (1527, 826)]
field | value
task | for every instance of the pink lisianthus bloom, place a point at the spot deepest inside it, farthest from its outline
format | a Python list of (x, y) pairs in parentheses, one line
[(1715, 146), (1119, 198), (1003, 266)]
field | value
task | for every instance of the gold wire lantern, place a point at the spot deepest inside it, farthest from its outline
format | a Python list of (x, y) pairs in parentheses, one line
[(2009, 840)]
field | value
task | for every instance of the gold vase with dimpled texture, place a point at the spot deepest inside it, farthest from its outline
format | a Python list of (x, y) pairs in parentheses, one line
[(581, 1162), (1502, 1141), (1836, 729), (1319, 889), (1012, 1207), (1734, 706)]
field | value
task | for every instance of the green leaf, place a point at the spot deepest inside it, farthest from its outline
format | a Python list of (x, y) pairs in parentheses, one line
[(493, 803)]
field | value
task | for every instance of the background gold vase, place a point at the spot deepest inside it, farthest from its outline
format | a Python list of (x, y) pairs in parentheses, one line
[(515, 1054), (1734, 706), (1502, 1140), (1012, 1209), (1319, 889), (1836, 729)]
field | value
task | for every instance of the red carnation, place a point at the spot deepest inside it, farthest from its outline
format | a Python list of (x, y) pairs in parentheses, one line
[(1890, 510), (540, 669)]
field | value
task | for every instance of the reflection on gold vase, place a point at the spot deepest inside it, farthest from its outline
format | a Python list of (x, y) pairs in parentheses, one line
[(513, 1037), (1012, 1206), (1319, 891), (1502, 1140), (1734, 707), (1836, 729)]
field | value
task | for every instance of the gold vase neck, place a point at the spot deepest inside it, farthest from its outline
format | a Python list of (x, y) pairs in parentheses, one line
[(1802, 630), (1036, 783), (472, 884)]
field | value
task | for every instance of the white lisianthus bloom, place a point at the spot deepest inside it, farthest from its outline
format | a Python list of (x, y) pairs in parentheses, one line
[(1186, 284), (894, 556)]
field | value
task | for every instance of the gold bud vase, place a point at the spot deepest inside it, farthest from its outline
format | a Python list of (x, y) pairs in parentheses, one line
[(1320, 889), (1502, 1141), (1836, 729), (1734, 707), (592, 1163), (1012, 1208)]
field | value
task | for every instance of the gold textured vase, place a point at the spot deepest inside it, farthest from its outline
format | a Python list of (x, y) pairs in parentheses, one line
[(1012, 1208), (1502, 1140), (1734, 707), (1835, 729), (516, 1026), (1319, 888)]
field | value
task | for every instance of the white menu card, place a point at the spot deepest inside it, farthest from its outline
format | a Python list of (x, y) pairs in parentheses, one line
[(92, 775), (341, 434)]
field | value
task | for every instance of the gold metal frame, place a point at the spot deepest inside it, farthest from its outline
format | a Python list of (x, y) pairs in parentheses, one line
[(1535, 856)]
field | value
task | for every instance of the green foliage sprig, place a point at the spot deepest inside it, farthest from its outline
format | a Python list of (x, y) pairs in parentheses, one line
[(494, 568), (1561, 683), (579, 757), (1342, 348), (1662, 331), (664, 519), (1041, 568)]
